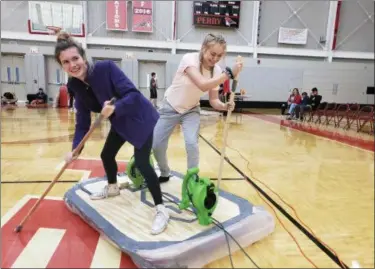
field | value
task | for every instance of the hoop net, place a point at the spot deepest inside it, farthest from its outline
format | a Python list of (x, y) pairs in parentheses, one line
[(53, 30)]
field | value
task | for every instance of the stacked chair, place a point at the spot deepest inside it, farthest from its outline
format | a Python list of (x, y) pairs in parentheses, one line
[(344, 116)]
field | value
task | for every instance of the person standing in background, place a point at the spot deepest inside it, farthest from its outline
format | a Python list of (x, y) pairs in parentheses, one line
[(153, 90)]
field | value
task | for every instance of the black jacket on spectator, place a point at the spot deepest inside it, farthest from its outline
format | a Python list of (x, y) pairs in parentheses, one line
[(41, 95), (315, 101)]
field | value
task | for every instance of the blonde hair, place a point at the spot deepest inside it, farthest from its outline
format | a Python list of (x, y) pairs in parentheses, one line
[(209, 40)]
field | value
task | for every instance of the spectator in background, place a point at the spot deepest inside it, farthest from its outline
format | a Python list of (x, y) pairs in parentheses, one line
[(40, 98), (301, 108), (153, 90), (315, 99), (9, 98), (287, 104), (294, 100), (289, 101)]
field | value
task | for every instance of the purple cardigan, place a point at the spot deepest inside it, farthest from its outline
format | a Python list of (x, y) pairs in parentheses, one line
[(134, 117)]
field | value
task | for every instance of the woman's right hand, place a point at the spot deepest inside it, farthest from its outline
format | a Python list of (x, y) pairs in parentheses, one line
[(237, 68), (69, 157)]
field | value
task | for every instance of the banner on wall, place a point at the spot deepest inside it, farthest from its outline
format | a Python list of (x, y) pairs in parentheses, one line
[(142, 16), (117, 15), (292, 36)]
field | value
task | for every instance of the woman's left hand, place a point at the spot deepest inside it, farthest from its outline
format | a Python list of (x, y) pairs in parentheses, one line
[(107, 109), (230, 106)]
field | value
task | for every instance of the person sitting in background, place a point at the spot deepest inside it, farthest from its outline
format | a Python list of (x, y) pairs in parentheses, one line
[(288, 103), (301, 108), (8, 98), (315, 99), (37, 100), (294, 100), (40, 98)]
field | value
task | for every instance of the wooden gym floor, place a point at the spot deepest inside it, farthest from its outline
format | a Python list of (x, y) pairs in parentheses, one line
[(325, 178)]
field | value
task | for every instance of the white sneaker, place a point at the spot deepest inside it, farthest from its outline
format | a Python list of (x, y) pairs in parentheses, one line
[(109, 190), (161, 220)]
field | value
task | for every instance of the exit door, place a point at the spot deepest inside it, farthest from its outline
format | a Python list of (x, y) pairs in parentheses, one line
[(13, 75)]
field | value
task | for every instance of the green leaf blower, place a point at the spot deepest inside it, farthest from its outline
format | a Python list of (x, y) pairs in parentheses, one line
[(201, 194), (133, 173)]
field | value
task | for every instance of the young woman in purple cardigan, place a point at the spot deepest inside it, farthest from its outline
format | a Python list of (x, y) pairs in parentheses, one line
[(132, 118)]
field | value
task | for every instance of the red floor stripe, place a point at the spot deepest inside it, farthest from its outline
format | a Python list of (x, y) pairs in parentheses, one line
[(12, 243), (76, 248), (345, 139), (126, 261)]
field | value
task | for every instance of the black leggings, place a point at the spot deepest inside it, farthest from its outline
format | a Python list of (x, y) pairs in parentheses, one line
[(141, 159)]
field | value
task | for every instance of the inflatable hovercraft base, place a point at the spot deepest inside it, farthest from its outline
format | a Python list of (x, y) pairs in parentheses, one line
[(126, 220)]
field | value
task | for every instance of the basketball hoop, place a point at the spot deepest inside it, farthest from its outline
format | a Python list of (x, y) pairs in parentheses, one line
[(53, 30)]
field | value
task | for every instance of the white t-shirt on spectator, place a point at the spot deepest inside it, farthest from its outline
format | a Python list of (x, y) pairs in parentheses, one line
[(183, 94)]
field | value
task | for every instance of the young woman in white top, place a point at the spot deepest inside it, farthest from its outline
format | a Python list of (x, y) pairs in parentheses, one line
[(197, 74)]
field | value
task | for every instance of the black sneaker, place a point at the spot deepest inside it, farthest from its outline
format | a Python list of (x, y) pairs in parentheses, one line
[(163, 179)]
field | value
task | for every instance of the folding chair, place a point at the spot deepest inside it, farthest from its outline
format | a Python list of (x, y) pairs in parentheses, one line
[(341, 113), (365, 115), (351, 115), (320, 112), (329, 112), (308, 114)]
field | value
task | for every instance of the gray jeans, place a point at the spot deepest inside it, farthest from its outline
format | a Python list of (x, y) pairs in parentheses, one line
[(169, 118)]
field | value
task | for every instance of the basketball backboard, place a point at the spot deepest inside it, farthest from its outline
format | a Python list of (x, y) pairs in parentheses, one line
[(67, 16)]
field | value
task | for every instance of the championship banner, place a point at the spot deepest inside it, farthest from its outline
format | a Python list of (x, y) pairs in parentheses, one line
[(142, 16), (117, 15)]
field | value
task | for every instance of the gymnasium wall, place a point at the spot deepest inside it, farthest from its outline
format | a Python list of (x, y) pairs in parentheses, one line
[(271, 70), (352, 16)]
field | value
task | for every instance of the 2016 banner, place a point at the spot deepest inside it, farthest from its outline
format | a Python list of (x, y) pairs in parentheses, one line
[(142, 16), (117, 15)]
